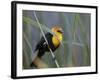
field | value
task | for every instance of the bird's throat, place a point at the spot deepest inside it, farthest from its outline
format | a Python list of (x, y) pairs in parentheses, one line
[(56, 39)]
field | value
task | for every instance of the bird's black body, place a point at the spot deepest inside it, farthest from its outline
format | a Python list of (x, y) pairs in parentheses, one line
[(42, 46), (53, 43)]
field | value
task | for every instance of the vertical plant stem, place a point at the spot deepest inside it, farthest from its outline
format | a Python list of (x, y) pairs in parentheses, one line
[(56, 62), (86, 51), (74, 49), (28, 43)]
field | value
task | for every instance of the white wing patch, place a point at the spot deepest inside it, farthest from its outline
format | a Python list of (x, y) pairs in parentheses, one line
[(44, 44)]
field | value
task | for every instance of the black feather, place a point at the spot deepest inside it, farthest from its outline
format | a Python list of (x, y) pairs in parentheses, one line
[(42, 46)]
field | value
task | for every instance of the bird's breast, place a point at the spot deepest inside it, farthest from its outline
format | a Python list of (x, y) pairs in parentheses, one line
[(56, 40)]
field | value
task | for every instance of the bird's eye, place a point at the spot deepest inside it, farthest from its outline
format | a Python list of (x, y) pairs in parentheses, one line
[(59, 31)]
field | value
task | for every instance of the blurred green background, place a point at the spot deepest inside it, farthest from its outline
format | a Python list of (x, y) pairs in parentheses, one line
[(75, 51)]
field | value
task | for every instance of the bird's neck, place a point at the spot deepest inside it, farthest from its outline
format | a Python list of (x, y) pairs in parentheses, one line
[(56, 39)]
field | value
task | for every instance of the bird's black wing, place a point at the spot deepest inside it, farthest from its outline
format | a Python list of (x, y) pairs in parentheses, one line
[(42, 43)]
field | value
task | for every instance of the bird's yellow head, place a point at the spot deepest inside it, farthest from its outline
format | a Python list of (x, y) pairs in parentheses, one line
[(57, 37), (57, 30)]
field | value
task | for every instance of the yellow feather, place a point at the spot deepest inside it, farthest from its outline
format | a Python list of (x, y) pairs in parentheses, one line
[(57, 38)]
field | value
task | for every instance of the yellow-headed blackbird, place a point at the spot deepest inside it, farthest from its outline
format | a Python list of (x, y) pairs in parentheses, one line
[(53, 42)]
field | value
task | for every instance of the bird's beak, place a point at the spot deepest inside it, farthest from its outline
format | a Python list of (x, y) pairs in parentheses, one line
[(60, 31)]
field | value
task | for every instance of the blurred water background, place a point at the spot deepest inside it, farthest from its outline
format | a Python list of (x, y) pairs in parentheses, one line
[(76, 37)]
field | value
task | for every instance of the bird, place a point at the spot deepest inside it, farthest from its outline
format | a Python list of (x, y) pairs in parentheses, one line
[(53, 40)]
